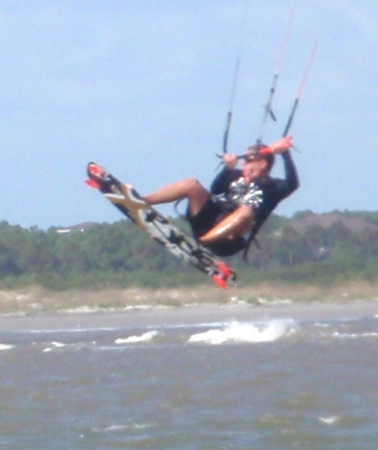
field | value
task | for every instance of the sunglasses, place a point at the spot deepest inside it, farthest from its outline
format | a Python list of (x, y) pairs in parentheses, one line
[(251, 158)]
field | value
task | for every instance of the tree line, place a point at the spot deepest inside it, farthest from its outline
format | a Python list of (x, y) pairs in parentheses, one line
[(119, 254)]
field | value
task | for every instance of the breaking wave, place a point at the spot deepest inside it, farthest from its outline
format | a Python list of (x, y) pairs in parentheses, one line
[(6, 346), (245, 333), (145, 337)]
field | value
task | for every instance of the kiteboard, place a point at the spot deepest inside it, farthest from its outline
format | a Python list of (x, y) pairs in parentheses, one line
[(157, 226)]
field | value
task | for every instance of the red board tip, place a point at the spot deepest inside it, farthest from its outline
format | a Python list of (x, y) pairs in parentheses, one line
[(220, 281)]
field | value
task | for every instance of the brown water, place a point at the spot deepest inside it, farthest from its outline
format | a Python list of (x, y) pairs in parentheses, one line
[(239, 378)]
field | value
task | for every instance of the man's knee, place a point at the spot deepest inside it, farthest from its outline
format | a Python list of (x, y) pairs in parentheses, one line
[(193, 183), (197, 194), (194, 186)]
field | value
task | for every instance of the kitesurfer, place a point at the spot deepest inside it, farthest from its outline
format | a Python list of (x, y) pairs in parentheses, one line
[(227, 218)]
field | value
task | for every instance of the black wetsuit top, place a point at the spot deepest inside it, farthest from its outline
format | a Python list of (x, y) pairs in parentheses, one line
[(263, 195)]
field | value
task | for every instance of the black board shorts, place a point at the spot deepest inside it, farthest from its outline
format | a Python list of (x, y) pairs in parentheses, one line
[(211, 214)]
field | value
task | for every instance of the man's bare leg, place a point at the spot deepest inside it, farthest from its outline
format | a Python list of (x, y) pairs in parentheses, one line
[(190, 188)]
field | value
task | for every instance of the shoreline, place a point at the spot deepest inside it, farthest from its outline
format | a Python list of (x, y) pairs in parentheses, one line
[(205, 315), (36, 300)]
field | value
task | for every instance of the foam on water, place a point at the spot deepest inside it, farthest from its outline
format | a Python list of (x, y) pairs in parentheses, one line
[(145, 337), (6, 346), (123, 427), (329, 420), (244, 332), (355, 335), (54, 345)]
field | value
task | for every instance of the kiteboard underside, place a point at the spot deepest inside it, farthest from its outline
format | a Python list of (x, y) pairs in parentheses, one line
[(157, 226)]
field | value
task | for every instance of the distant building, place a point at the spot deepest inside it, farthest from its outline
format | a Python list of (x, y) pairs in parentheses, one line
[(75, 228)]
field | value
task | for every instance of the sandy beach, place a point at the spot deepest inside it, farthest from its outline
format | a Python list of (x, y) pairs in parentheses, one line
[(38, 308), (36, 299)]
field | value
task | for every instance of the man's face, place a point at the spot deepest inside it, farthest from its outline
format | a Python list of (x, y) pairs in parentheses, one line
[(254, 166)]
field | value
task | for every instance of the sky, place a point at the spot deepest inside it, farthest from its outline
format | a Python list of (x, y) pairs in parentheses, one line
[(143, 87)]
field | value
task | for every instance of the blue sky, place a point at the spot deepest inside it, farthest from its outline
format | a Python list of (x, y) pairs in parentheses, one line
[(143, 87)]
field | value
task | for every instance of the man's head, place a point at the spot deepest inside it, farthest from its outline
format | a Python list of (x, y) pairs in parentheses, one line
[(256, 163)]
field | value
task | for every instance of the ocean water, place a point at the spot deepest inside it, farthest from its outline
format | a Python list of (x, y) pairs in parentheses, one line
[(281, 383)]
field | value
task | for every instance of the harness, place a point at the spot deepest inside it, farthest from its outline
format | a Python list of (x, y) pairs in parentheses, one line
[(251, 238)]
